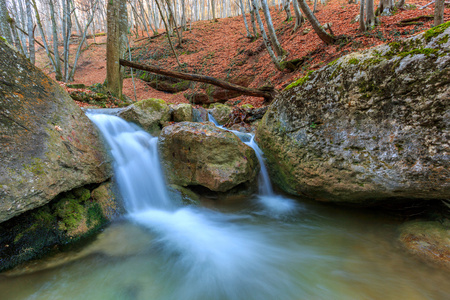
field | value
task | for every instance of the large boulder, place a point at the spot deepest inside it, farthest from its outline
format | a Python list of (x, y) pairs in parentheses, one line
[(182, 112), (202, 154), (220, 112), (150, 114), (371, 126), (48, 145)]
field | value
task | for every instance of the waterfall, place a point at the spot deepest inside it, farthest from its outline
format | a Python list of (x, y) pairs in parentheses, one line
[(207, 254), (271, 204)]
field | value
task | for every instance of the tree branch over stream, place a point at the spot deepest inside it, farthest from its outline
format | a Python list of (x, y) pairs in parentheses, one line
[(266, 92)]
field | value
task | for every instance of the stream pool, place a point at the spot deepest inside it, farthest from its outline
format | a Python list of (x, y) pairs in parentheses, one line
[(268, 246)]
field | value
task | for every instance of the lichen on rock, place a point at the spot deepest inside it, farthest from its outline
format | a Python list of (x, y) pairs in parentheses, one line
[(371, 126), (202, 154)]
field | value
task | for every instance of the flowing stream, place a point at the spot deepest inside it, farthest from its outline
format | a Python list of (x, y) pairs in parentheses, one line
[(269, 247)]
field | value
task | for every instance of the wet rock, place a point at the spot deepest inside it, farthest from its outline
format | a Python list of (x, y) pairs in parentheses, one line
[(429, 240), (67, 218), (202, 154), (220, 112), (150, 114), (200, 114), (182, 112), (48, 145), (371, 126)]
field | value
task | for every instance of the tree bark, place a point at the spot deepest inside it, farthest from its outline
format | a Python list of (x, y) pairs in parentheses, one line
[(266, 93), (298, 16), (275, 60), (323, 35), (58, 75), (439, 12), (362, 23), (249, 35), (5, 30), (115, 45), (273, 36), (370, 14), (31, 48)]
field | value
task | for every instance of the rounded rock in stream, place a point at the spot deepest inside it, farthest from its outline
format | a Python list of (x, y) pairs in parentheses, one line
[(202, 154)]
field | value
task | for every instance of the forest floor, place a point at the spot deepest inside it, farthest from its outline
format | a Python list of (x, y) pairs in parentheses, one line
[(222, 50)]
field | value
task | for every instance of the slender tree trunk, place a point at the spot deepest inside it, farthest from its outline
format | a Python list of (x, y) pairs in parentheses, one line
[(273, 37), (173, 17), (265, 38), (362, 23), (31, 48), (116, 44), (168, 35), (84, 33), (22, 23), (58, 75), (439, 12), (213, 8), (249, 35), (252, 20), (315, 6), (298, 16), (323, 35), (370, 14)]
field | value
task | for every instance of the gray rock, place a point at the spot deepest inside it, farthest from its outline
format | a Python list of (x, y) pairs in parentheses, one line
[(150, 114), (370, 126), (202, 154), (48, 146)]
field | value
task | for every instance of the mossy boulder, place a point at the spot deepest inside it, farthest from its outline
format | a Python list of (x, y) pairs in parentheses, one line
[(429, 240), (170, 87), (202, 154), (69, 217), (48, 145), (220, 112), (183, 195), (150, 114), (182, 112), (369, 127)]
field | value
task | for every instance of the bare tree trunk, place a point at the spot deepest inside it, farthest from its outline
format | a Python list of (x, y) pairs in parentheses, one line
[(252, 20), (266, 40), (213, 8), (91, 18), (315, 6), (298, 16), (58, 75), (68, 27), (168, 35), (323, 35), (31, 48), (362, 23), (173, 17), (273, 37), (439, 12), (267, 93), (22, 25), (370, 14), (249, 35), (116, 45), (287, 9)]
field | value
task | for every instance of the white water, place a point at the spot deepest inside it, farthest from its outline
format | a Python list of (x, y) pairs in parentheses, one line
[(163, 251), (221, 259), (270, 204)]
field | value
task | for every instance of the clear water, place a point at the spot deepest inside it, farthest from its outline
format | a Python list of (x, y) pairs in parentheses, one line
[(269, 247)]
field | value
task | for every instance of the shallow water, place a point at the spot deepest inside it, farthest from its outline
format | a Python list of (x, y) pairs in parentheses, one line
[(268, 247)]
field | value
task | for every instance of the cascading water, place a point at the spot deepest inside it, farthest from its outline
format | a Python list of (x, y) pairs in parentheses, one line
[(271, 204), (221, 259), (164, 251)]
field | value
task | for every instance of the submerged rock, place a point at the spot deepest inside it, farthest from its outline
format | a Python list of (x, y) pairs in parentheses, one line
[(150, 114), (429, 240), (371, 126), (202, 154), (48, 145)]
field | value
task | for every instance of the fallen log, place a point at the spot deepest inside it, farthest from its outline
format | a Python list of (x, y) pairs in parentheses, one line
[(268, 93)]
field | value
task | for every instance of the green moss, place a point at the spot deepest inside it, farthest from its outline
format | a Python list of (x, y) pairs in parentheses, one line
[(299, 82), (2, 38), (371, 61), (81, 194), (443, 40), (70, 212), (152, 103), (336, 71), (353, 61), (36, 166), (247, 106), (333, 62), (435, 31), (95, 215), (426, 51)]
